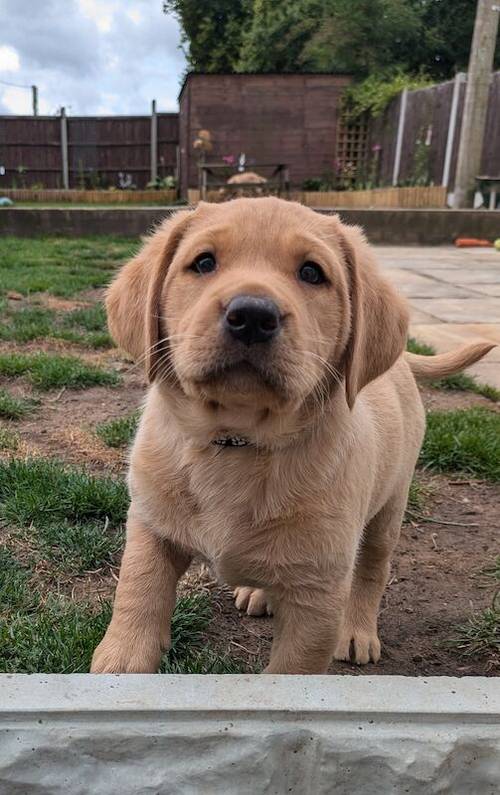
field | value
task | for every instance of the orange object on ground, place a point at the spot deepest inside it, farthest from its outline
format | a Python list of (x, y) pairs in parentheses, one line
[(471, 242)]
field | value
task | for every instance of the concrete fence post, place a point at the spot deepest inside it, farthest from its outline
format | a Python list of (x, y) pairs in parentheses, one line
[(64, 149), (399, 139), (154, 141), (452, 125)]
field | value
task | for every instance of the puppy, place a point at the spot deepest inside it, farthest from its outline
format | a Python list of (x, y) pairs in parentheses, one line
[(280, 432)]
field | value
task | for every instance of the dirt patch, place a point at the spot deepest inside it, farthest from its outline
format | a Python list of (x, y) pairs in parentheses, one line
[(448, 400)]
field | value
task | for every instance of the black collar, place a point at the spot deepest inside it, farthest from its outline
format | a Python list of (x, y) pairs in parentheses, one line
[(232, 441)]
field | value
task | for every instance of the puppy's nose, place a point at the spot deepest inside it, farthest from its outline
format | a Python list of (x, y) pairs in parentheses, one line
[(251, 319)]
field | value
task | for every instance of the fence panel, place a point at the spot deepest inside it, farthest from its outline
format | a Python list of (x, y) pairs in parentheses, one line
[(99, 148)]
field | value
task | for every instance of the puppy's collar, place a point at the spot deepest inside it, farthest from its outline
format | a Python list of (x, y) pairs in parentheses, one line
[(232, 441)]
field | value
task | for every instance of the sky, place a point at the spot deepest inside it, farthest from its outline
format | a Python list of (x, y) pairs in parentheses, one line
[(94, 57)]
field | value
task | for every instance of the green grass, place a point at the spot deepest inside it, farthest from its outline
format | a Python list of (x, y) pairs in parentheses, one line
[(60, 266), (460, 382), (44, 492), (83, 326), (12, 408), (51, 371), (9, 440), (480, 635), (420, 348), (54, 634), (120, 432), (465, 441)]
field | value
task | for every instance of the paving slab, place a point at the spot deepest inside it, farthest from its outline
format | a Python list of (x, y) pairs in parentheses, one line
[(454, 297)]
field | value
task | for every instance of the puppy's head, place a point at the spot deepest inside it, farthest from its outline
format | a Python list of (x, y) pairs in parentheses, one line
[(257, 301)]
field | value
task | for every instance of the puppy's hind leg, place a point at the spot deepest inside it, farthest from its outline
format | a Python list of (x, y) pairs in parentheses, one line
[(369, 581), (253, 601)]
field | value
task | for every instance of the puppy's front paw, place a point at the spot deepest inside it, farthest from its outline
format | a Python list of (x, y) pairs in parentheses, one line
[(117, 656), (366, 646), (252, 600)]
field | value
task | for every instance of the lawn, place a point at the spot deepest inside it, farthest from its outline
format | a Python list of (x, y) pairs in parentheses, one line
[(69, 408)]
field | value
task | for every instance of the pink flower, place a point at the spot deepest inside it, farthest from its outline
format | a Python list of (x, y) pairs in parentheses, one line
[(229, 159)]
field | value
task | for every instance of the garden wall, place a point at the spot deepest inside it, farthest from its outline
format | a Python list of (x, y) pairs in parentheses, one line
[(249, 734)]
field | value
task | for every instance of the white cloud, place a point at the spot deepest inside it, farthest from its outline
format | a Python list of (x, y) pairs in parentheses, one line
[(9, 59), (92, 56)]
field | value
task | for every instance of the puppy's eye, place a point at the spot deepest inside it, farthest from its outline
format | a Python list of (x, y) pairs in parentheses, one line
[(204, 263), (311, 273)]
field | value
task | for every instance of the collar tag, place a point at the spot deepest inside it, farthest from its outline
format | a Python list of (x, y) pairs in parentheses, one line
[(231, 441)]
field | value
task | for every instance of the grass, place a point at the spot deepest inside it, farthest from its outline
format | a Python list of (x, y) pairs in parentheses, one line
[(54, 634), (480, 634), (64, 522), (44, 492), (50, 371), (60, 266), (120, 432), (83, 326), (461, 382), (12, 408), (9, 440), (464, 441)]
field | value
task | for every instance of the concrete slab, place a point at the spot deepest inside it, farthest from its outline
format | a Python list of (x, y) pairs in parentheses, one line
[(456, 310), (122, 735), (470, 276), (454, 297)]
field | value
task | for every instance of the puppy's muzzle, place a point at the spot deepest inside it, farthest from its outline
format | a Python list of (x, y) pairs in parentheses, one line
[(250, 319)]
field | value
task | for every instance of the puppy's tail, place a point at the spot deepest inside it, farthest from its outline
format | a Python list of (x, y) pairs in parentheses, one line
[(447, 363)]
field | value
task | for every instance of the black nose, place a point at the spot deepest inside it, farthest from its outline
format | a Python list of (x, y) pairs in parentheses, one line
[(251, 319)]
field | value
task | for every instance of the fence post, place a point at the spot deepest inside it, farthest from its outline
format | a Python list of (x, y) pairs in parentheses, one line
[(459, 78), (399, 139), (64, 149), (154, 142)]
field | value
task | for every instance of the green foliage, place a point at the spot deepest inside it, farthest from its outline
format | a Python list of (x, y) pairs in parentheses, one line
[(60, 266), (49, 371), (275, 38), (374, 93), (465, 441), (120, 432), (358, 37), (212, 31)]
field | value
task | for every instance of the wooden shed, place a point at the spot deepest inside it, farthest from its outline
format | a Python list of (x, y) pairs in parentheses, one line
[(271, 118)]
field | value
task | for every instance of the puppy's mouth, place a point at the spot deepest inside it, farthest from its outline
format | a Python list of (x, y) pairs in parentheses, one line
[(241, 375)]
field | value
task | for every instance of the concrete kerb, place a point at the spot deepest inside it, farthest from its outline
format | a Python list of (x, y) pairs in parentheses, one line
[(249, 734), (389, 226)]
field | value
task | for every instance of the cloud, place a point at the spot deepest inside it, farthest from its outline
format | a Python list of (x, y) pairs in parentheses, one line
[(91, 56)]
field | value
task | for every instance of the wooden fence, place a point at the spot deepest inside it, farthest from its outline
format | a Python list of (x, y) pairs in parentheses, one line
[(418, 197), (87, 152), (424, 126)]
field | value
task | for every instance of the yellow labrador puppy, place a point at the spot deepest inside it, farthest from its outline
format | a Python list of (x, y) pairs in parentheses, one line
[(280, 433)]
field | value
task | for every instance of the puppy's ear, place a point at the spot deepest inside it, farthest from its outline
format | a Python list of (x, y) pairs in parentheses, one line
[(379, 317), (133, 300)]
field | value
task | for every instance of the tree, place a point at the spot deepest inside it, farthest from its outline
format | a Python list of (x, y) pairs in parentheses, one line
[(212, 30), (277, 35), (360, 37), (448, 26)]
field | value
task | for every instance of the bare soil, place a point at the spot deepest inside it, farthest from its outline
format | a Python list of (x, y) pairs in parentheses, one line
[(436, 581)]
